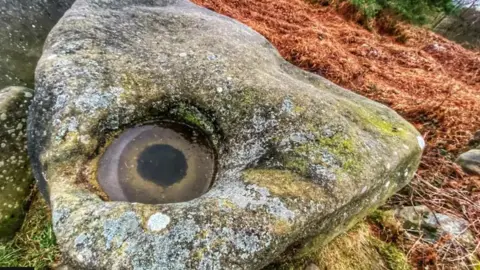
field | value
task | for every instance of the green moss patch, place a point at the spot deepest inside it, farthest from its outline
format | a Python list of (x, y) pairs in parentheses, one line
[(356, 249), (386, 127), (342, 149), (285, 184)]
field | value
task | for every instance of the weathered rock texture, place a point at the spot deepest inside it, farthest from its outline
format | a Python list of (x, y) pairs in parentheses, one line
[(15, 174), (297, 155), (24, 25), (435, 225), (470, 161)]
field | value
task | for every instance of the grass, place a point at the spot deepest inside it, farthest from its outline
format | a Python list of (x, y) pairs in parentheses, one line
[(34, 245), (358, 248)]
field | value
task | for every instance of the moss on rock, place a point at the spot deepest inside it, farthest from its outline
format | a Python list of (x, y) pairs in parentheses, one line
[(355, 249), (285, 184)]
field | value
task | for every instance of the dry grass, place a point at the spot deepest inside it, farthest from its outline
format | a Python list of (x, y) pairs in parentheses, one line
[(359, 249), (432, 82)]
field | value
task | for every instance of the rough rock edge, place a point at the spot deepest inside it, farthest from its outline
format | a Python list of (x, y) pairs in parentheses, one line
[(15, 174)]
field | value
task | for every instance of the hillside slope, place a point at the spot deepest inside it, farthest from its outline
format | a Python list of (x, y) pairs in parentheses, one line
[(431, 81)]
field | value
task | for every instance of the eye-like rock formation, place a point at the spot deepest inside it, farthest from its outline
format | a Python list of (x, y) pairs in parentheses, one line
[(24, 25), (295, 155), (15, 174)]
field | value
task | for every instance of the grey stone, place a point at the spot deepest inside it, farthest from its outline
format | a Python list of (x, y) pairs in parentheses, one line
[(109, 65), (15, 174), (435, 225), (470, 161), (24, 25), (312, 267)]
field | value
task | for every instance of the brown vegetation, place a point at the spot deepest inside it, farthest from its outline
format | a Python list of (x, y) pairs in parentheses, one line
[(432, 82)]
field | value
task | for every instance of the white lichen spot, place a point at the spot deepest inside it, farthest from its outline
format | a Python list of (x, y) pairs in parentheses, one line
[(287, 106), (158, 222), (85, 139), (421, 142), (182, 54)]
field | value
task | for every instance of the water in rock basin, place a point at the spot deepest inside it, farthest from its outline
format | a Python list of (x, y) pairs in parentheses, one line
[(163, 163), (165, 159)]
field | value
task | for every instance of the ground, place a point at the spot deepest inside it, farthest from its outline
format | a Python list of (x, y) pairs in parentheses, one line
[(34, 245), (432, 82)]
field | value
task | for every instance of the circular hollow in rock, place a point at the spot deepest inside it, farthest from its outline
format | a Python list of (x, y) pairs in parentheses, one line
[(164, 163)]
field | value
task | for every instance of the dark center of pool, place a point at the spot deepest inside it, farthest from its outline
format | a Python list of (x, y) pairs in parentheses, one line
[(162, 164)]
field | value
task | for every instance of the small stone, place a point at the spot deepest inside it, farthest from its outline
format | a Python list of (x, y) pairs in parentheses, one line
[(312, 267), (434, 225), (470, 161), (219, 90), (182, 54), (3, 116)]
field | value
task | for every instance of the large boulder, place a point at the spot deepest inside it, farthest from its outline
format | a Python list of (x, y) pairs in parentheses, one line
[(295, 155), (15, 174), (24, 25)]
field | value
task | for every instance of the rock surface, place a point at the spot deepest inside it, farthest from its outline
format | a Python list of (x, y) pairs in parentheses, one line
[(470, 161), (435, 225), (24, 25), (312, 267), (15, 174), (297, 155)]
